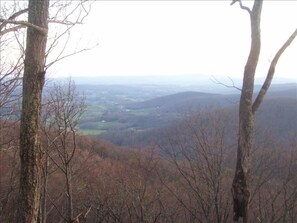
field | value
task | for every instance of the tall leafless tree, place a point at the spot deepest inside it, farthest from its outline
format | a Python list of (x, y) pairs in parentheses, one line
[(33, 81), (34, 16), (64, 108), (247, 110)]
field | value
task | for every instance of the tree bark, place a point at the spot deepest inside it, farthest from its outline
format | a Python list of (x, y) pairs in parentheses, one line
[(43, 195), (240, 186), (33, 80)]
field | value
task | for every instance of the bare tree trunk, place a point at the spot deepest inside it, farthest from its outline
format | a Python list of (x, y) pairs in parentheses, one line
[(68, 175), (43, 202), (34, 74), (247, 110), (240, 186)]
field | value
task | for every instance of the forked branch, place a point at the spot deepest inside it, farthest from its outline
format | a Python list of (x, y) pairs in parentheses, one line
[(241, 6), (271, 72)]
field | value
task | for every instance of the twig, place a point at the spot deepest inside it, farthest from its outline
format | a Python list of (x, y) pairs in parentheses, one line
[(216, 81)]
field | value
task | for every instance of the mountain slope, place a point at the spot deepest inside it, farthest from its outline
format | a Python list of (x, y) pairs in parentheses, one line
[(185, 101)]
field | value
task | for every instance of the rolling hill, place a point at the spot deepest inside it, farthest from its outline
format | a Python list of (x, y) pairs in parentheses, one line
[(113, 110)]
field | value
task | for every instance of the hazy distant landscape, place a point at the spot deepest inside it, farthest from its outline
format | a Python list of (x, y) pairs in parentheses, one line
[(123, 110)]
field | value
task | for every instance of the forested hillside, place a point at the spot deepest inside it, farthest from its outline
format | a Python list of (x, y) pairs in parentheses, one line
[(184, 178)]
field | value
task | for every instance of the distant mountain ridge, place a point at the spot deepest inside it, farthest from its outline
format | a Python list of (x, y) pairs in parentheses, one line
[(184, 101), (193, 99), (206, 83)]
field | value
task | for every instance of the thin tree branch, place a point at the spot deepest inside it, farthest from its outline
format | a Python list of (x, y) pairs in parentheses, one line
[(24, 23), (65, 56), (56, 207), (13, 29), (12, 17), (216, 81), (64, 22), (241, 6), (271, 72)]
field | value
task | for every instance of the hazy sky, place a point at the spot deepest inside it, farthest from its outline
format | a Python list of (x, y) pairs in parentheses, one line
[(179, 37)]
